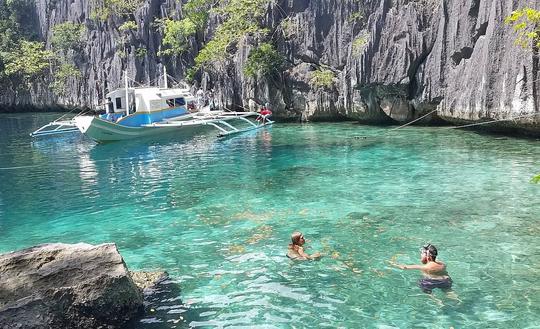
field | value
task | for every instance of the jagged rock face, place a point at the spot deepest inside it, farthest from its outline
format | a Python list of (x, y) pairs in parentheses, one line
[(455, 57), (67, 286), (452, 59)]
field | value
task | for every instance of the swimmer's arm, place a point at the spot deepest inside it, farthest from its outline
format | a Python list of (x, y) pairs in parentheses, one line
[(409, 267), (306, 256), (302, 253), (413, 267)]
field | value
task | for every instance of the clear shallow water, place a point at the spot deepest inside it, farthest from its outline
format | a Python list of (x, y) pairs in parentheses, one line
[(217, 215)]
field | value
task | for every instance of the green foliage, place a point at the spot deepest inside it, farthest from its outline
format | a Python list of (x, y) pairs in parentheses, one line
[(526, 23), (141, 52), (322, 78), (29, 60), (103, 9), (8, 31), (100, 14), (289, 27), (61, 75), (123, 7), (22, 60), (20, 12), (241, 19), (67, 35), (356, 16), (360, 43), (175, 35), (12, 13), (536, 179), (190, 74), (263, 60), (214, 51), (128, 26), (197, 11)]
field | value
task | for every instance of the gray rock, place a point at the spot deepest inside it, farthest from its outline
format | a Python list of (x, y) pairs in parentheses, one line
[(67, 286)]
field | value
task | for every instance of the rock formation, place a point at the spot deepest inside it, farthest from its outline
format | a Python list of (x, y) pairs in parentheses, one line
[(393, 60), (67, 286)]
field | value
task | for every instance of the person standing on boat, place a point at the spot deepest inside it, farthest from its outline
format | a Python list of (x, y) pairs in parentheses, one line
[(109, 106), (265, 112), (435, 274), (200, 99), (296, 249), (210, 97)]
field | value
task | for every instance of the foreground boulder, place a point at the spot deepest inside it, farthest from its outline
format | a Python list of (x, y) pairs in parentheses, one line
[(67, 286)]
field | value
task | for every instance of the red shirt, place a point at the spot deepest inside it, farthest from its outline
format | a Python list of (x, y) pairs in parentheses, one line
[(265, 111)]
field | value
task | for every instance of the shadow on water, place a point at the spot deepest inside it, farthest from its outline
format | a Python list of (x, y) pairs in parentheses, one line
[(164, 308)]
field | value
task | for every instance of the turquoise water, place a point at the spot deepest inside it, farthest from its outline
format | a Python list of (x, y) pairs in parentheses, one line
[(217, 215)]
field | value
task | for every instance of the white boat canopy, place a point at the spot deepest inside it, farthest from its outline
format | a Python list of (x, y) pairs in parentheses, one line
[(147, 99)]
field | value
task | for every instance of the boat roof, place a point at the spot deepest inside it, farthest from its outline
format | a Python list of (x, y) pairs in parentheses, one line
[(163, 93)]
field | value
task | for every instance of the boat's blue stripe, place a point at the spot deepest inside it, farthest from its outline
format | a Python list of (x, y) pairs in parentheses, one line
[(137, 119)]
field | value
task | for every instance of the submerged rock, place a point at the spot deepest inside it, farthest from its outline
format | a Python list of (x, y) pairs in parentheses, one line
[(67, 286), (148, 280)]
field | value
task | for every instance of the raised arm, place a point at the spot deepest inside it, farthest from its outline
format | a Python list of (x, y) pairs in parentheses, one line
[(410, 267), (302, 253), (406, 267)]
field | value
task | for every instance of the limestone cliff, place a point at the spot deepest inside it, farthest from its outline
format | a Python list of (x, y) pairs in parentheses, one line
[(393, 60)]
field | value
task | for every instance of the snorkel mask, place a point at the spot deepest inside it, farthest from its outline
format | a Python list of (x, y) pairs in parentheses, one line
[(425, 248), (428, 251)]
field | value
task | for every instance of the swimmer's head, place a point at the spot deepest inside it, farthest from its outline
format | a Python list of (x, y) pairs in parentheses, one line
[(428, 252), (297, 238)]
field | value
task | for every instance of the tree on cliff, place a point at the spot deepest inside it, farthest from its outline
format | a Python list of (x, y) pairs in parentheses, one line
[(241, 18), (526, 23), (22, 57), (66, 40)]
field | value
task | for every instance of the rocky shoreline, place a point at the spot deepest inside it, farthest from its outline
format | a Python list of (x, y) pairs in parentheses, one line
[(71, 286)]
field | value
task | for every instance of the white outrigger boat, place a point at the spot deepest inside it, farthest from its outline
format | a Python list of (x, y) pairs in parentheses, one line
[(144, 111)]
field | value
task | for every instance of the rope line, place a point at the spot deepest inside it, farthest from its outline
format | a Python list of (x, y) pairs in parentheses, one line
[(410, 123), (453, 127), (493, 121)]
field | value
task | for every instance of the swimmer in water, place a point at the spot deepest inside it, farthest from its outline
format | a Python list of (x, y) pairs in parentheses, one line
[(435, 275), (296, 249)]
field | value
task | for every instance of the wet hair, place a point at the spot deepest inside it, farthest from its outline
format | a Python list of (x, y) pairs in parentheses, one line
[(430, 250), (295, 237)]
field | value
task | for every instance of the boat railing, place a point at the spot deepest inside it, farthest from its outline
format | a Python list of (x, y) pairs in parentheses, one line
[(220, 121), (55, 128), (59, 125)]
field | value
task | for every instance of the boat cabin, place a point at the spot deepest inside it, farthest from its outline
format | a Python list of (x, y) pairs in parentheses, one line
[(146, 105)]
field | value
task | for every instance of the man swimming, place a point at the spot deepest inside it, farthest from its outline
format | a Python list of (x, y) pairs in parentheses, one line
[(296, 249), (435, 275)]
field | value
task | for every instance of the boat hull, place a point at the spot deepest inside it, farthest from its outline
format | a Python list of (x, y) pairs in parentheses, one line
[(105, 131)]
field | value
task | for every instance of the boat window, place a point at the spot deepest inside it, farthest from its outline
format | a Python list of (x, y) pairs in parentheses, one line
[(179, 101), (118, 102)]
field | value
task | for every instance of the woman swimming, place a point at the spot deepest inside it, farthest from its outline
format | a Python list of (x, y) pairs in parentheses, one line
[(296, 249), (435, 274)]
